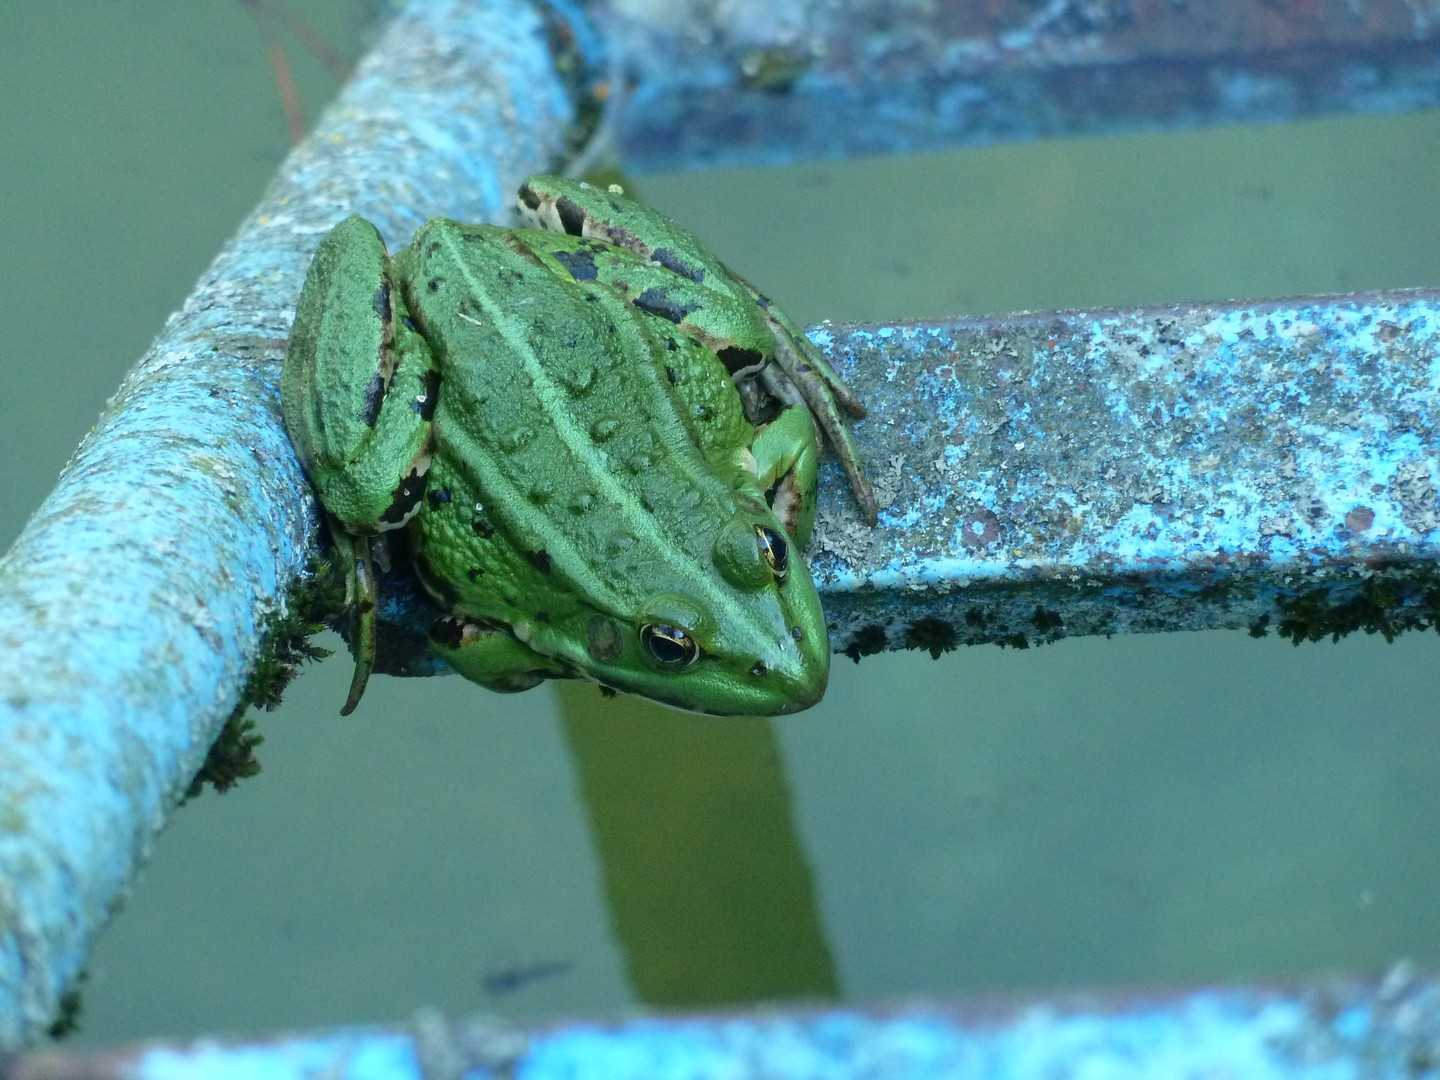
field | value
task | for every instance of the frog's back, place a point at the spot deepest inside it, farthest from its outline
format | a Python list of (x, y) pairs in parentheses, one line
[(571, 472)]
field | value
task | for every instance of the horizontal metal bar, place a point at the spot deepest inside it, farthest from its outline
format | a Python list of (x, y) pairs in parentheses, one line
[(1171, 468), (133, 605), (737, 84), (1321, 1031)]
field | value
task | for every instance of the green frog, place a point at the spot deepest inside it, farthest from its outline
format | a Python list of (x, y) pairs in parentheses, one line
[(602, 450)]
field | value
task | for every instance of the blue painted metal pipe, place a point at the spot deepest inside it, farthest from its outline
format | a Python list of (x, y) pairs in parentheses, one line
[(133, 604), (1388, 1030)]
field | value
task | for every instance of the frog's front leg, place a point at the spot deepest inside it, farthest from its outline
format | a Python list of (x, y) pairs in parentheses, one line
[(492, 657), (787, 459), (358, 390), (811, 374)]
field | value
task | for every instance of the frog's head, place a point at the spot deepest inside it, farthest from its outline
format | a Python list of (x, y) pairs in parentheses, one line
[(753, 642)]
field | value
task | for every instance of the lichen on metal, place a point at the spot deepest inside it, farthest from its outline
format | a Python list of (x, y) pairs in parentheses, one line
[(1320, 1031), (133, 604), (1170, 468)]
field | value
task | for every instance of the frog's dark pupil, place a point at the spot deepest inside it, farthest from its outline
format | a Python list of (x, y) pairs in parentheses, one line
[(669, 645), (775, 550)]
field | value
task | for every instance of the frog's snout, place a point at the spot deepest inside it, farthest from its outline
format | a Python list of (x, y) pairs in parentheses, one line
[(792, 674)]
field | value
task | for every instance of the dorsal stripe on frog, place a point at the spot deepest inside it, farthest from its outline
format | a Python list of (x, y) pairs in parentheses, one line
[(598, 465)]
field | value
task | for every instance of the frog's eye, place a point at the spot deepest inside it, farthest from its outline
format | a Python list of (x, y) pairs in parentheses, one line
[(775, 550), (670, 647)]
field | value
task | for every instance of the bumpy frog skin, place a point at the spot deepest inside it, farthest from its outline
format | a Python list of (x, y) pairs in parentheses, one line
[(575, 470)]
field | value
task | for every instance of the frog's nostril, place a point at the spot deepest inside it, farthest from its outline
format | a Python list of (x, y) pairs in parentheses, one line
[(759, 669)]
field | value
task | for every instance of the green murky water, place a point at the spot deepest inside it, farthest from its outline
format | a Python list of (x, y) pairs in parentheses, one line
[(1151, 809)]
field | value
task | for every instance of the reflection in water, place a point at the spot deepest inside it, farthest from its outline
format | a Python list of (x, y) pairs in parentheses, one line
[(709, 892)]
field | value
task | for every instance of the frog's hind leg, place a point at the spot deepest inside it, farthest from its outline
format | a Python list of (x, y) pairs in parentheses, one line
[(787, 460)]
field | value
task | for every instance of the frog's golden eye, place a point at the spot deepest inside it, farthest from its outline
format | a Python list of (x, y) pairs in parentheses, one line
[(670, 647), (775, 550)]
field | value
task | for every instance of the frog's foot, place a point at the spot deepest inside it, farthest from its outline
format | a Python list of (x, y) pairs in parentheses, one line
[(817, 392), (787, 460), (363, 591), (491, 656)]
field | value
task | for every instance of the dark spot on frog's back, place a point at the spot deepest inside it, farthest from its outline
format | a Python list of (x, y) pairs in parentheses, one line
[(424, 402), (654, 301), (540, 560), (381, 302), (666, 258), (434, 284), (572, 218), (439, 497), (406, 498), (374, 398), (581, 264)]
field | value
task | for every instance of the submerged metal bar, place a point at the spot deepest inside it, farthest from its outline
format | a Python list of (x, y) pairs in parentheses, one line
[(1336, 1031), (743, 83), (133, 605), (1247, 464)]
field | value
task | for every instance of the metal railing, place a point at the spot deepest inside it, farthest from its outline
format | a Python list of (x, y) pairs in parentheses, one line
[(1258, 464)]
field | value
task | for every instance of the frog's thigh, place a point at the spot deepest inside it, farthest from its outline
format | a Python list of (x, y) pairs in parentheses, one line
[(358, 386), (786, 454), (491, 657)]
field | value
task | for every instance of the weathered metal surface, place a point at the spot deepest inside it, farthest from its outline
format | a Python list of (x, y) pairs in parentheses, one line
[(133, 605), (1340, 1031), (1186, 467), (756, 81)]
